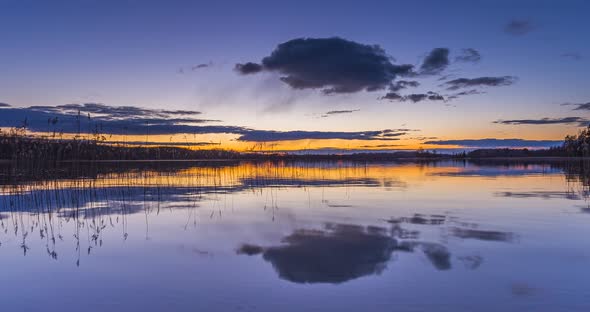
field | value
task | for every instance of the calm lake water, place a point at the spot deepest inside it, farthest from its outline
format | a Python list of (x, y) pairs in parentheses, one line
[(329, 236)]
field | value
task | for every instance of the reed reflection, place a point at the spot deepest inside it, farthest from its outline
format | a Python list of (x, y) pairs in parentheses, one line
[(82, 202)]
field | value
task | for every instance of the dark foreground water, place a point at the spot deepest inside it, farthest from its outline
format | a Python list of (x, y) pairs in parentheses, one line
[(448, 236)]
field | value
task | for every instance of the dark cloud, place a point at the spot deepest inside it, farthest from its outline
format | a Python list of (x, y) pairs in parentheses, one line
[(464, 93), (573, 56), (248, 68), (433, 96), (497, 143), (468, 55), (4, 105), (579, 106), (249, 250), (270, 135), (180, 112), (446, 77), (403, 84), (141, 121), (201, 66), (87, 118), (459, 83), (339, 112), (381, 146), (545, 121), (435, 62), (415, 97), (110, 112), (423, 138), (334, 65), (392, 96), (518, 27)]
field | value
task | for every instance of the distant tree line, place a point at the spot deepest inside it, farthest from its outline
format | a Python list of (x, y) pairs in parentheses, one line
[(16, 145)]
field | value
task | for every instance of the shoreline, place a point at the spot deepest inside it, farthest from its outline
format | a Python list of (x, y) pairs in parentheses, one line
[(313, 158)]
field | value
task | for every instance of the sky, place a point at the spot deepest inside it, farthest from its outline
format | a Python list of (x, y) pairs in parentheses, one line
[(298, 75)]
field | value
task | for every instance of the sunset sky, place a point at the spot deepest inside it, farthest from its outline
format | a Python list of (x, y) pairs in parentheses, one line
[(278, 75)]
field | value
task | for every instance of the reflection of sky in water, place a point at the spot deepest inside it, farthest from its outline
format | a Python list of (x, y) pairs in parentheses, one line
[(343, 237)]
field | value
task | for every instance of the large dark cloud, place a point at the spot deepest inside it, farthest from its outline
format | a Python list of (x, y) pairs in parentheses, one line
[(545, 121), (497, 143), (468, 55), (435, 62), (518, 27), (459, 83), (334, 65)]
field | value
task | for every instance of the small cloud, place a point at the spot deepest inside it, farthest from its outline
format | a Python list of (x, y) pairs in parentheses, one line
[(249, 250), (248, 68), (392, 96), (573, 56), (4, 105), (419, 97), (381, 146), (201, 66), (435, 62), (459, 83), (464, 93), (468, 55), (545, 121), (403, 84), (414, 97), (519, 27), (339, 112), (180, 112), (579, 106)]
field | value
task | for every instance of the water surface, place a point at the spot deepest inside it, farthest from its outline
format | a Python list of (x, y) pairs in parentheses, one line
[(329, 236)]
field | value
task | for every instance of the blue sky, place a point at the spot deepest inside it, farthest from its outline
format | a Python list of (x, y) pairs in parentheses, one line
[(146, 54)]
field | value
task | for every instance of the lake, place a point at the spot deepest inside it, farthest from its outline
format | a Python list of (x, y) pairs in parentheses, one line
[(296, 236)]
